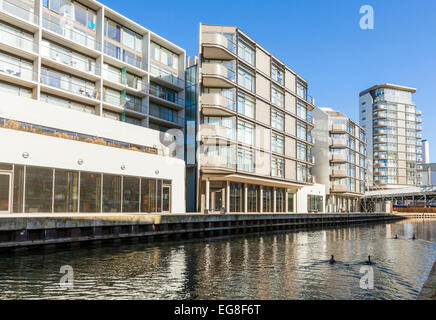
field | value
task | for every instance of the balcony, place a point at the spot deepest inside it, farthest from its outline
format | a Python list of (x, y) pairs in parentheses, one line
[(380, 156), (339, 143), (217, 76), (380, 165), (418, 128), (16, 72), (338, 157), (164, 116), (214, 104), (210, 133), (217, 46), (380, 148), (78, 65), (418, 113), (219, 163), (380, 123), (380, 132), (339, 128), (380, 107), (166, 98), (65, 31), (166, 78), (419, 144), (75, 87), (339, 188), (419, 151), (18, 44), (120, 56), (338, 173), (418, 120), (19, 10), (419, 136)]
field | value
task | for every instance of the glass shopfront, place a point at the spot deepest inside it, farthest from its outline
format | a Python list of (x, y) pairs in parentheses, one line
[(32, 189)]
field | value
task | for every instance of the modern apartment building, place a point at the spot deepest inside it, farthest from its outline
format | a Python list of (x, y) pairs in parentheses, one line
[(255, 148), (82, 89), (392, 123), (340, 159)]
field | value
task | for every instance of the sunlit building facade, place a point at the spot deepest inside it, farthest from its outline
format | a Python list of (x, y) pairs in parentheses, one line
[(87, 95), (393, 126), (255, 126)]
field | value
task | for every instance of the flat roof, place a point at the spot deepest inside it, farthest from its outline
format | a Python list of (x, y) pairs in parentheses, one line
[(389, 86)]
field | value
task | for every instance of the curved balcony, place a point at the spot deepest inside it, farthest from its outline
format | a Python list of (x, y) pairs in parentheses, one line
[(339, 128), (380, 173), (339, 143), (380, 148), (418, 128), (216, 163), (217, 76), (339, 188), (211, 133), (380, 165), (338, 157), (213, 104), (419, 136), (380, 107), (418, 113), (217, 46), (380, 123), (338, 173), (380, 182), (380, 156), (380, 132), (418, 120)]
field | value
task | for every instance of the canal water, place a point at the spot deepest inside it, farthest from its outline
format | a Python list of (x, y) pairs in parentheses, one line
[(273, 265)]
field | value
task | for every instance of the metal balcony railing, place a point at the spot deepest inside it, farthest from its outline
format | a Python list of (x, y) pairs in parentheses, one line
[(17, 41), (20, 10)]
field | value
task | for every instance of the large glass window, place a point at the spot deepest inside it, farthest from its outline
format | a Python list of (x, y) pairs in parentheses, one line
[(267, 200), (246, 51), (90, 192), (301, 90), (245, 78), (301, 152), (148, 195), (246, 105), (301, 111), (236, 197), (280, 200), (277, 143), (301, 130), (277, 119), (245, 132), (278, 167), (277, 74), (245, 160), (66, 191), (164, 56), (39, 189), (130, 194), (18, 189), (278, 97), (253, 198), (111, 193), (290, 202)]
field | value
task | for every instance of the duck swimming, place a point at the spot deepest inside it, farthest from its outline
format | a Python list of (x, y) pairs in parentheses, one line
[(369, 260), (332, 260)]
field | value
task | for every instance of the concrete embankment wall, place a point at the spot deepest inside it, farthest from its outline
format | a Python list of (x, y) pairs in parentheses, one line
[(423, 215), (27, 231), (428, 291)]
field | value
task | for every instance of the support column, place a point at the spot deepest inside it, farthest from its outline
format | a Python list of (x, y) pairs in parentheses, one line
[(261, 199), (286, 201), (207, 196), (274, 200), (245, 198), (227, 196)]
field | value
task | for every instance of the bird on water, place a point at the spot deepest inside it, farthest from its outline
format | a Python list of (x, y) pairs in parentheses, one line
[(369, 260), (396, 237), (413, 238), (332, 260)]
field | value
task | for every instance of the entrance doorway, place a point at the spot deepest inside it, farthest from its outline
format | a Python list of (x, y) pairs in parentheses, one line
[(216, 200), (5, 192), (166, 199)]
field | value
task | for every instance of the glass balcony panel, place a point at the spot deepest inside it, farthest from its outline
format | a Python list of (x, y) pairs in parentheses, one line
[(21, 9)]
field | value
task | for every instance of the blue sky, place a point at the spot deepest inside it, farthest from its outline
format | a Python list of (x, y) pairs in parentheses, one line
[(321, 40)]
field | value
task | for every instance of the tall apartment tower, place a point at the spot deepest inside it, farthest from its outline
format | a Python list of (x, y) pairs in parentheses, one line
[(82, 88), (255, 126), (392, 124), (340, 159)]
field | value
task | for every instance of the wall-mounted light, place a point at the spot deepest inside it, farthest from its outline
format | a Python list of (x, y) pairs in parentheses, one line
[(25, 155), (80, 162), (157, 172), (123, 167)]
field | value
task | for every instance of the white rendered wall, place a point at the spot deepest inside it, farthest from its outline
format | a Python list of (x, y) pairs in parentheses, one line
[(316, 189)]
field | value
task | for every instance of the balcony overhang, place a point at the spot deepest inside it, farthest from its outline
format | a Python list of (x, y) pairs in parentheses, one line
[(215, 46)]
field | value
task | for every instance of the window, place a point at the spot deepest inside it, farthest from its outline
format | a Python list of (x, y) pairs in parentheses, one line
[(277, 143), (301, 130), (113, 31), (245, 51), (301, 111), (148, 195), (130, 194), (245, 160), (245, 78), (236, 197), (39, 188), (278, 98), (129, 38), (267, 199), (301, 172), (245, 132), (90, 192), (246, 105), (66, 191), (277, 74), (277, 167), (301, 152), (277, 119), (301, 90), (291, 202), (253, 198), (164, 56), (111, 193)]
